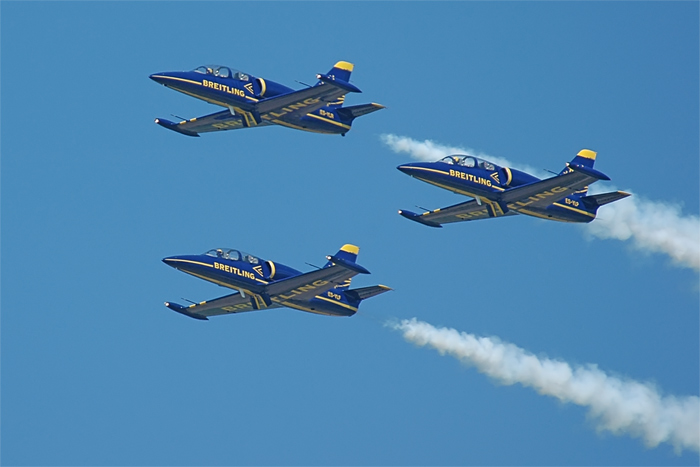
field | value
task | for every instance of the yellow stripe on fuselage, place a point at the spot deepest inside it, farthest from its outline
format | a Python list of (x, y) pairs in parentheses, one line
[(336, 303), (580, 211), (179, 79), (193, 262), (328, 120), (429, 170)]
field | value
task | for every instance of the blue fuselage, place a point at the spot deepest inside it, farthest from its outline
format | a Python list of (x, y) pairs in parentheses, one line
[(489, 185), (250, 279), (237, 95)]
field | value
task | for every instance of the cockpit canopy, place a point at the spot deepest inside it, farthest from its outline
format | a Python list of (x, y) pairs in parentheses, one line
[(468, 161), (233, 255), (222, 72)]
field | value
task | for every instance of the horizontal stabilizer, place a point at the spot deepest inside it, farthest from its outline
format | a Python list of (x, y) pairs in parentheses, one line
[(415, 217), (183, 311), (174, 126), (364, 293), (354, 111), (602, 199)]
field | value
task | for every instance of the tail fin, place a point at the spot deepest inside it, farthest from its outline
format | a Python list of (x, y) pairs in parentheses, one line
[(341, 71), (586, 158), (348, 253)]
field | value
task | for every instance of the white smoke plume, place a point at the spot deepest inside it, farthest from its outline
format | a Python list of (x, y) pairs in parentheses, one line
[(620, 406), (650, 226), (430, 151)]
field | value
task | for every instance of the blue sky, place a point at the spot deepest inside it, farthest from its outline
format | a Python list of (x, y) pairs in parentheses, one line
[(96, 371)]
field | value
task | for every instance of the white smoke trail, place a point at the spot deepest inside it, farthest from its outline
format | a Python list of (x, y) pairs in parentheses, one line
[(651, 226), (620, 406), (430, 151)]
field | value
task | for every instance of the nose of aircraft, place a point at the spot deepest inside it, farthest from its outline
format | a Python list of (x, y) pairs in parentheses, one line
[(408, 169), (171, 260), (157, 78), (160, 78)]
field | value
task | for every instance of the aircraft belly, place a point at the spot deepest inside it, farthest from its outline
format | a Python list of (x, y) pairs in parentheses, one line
[(306, 123), (322, 307), (554, 213)]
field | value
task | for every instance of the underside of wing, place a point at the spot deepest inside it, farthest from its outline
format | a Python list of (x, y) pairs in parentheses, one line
[(234, 303), (545, 192), (310, 284), (467, 211), (298, 103), (219, 121)]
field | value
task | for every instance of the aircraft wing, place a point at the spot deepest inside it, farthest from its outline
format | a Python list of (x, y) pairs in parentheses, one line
[(308, 285), (545, 192), (219, 121), (234, 303), (299, 103), (467, 211)]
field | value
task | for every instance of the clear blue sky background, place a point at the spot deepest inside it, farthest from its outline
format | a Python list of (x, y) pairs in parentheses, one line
[(96, 371)]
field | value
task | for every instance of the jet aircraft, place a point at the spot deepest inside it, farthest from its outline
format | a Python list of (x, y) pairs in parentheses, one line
[(502, 191), (262, 284), (254, 102)]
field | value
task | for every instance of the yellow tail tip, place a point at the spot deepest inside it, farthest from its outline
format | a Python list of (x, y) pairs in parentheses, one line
[(587, 153), (347, 66), (350, 249)]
